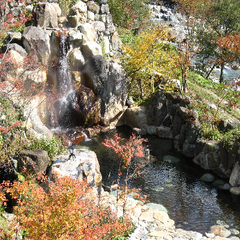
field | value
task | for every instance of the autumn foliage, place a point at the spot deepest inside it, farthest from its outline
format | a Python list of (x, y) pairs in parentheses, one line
[(150, 53), (66, 210), (126, 149)]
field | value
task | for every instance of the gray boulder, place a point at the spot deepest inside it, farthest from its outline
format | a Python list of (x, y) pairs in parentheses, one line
[(77, 14), (93, 7), (164, 132), (235, 176), (36, 41), (46, 14), (91, 48)]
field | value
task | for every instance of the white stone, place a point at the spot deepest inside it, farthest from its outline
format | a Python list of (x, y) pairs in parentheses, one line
[(81, 7), (84, 162), (90, 15), (106, 48), (235, 190), (88, 31)]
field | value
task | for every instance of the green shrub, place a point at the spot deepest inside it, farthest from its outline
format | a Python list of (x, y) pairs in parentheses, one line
[(52, 145)]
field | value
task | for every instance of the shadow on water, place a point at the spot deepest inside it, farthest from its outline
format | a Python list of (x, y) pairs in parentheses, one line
[(173, 181)]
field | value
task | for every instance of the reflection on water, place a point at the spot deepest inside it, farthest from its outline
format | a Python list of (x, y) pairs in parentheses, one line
[(192, 204)]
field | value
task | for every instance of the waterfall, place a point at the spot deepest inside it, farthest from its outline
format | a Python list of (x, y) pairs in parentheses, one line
[(62, 98), (64, 78)]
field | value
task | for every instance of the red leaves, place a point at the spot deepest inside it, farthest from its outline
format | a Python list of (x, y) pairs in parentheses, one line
[(5, 130), (126, 149)]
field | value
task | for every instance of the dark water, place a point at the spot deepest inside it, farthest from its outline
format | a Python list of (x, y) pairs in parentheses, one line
[(192, 204)]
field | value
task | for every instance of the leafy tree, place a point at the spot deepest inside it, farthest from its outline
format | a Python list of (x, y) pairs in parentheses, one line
[(151, 53), (129, 14), (217, 19), (126, 151)]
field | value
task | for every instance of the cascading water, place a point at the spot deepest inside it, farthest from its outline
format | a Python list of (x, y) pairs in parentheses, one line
[(65, 95), (64, 78)]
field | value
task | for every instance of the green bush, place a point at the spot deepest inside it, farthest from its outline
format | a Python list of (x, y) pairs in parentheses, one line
[(52, 145)]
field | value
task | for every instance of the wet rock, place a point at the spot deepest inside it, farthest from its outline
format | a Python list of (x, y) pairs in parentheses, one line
[(86, 110), (208, 177), (171, 159), (225, 186), (218, 183)]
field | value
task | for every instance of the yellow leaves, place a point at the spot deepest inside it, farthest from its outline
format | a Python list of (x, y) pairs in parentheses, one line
[(151, 53)]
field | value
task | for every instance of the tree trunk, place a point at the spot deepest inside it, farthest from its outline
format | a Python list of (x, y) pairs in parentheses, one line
[(221, 73), (208, 74), (140, 86)]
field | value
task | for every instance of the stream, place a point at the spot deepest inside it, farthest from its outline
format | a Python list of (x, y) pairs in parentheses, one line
[(173, 181)]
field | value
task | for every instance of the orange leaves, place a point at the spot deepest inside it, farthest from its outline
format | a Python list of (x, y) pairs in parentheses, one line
[(66, 211), (231, 42)]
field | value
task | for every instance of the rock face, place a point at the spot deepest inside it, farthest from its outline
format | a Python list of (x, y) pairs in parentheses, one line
[(46, 14), (90, 34)]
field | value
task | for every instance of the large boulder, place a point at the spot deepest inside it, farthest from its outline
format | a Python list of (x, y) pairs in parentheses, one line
[(46, 14), (89, 34), (109, 83), (36, 41), (79, 165), (136, 117), (91, 48), (157, 110)]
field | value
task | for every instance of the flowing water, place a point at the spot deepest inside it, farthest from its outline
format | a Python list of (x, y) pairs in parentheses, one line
[(173, 183)]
